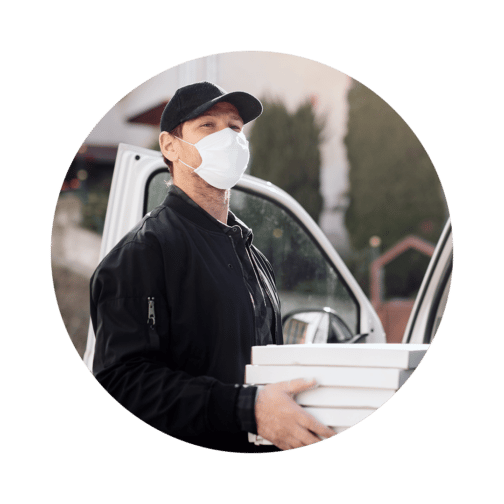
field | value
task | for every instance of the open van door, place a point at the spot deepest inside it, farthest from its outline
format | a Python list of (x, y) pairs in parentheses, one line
[(311, 277), (432, 296)]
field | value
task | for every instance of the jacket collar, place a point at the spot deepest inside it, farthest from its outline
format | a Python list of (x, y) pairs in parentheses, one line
[(181, 203)]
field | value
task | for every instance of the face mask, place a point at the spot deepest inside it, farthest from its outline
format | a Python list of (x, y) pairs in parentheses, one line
[(224, 155)]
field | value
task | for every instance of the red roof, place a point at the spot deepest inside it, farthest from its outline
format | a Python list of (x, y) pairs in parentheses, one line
[(150, 116)]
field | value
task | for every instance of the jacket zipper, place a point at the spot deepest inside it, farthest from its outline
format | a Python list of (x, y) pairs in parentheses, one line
[(269, 293), (151, 322), (248, 290), (151, 315)]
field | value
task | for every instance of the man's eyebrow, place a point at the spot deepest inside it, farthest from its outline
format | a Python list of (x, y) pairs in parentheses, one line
[(214, 113)]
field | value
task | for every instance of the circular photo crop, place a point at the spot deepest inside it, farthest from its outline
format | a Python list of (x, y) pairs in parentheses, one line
[(251, 252)]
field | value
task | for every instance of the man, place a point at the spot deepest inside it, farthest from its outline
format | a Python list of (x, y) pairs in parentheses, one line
[(178, 303)]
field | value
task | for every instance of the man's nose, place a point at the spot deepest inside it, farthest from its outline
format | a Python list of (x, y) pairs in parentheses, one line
[(222, 124)]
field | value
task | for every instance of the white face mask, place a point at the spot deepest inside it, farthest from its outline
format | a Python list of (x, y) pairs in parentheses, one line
[(224, 156)]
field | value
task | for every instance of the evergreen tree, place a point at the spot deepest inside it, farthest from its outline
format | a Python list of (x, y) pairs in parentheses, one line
[(394, 189), (286, 151)]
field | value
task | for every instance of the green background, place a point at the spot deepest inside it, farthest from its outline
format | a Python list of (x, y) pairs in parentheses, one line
[(64, 440)]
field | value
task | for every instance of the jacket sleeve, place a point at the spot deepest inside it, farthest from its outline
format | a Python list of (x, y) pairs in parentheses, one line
[(131, 356)]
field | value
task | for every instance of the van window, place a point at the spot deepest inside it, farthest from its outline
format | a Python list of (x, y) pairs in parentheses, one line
[(304, 277)]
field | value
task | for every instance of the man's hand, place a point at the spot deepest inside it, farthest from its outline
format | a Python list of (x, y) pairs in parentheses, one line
[(282, 421)]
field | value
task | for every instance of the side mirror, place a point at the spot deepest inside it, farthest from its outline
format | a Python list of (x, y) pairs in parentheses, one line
[(316, 326)]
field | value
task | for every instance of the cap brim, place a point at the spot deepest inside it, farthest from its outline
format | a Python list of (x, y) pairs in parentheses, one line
[(248, 106)]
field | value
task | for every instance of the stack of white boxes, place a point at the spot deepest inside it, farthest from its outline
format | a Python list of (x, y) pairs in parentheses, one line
[(353, 379)]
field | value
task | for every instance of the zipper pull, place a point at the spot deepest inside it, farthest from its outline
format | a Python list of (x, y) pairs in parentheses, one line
[(151, 317)]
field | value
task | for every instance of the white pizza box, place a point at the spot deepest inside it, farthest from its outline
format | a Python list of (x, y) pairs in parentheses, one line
[(387, 355), (259, 440), (336, 376), (344, 397), (343, 417)]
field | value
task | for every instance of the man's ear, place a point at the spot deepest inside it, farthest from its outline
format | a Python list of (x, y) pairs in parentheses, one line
[(166, 144)]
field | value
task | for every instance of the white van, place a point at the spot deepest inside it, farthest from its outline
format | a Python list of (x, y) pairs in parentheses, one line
[(321, 300)]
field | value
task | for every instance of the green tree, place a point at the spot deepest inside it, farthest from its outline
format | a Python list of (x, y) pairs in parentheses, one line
[(394, 189), (285, 151)]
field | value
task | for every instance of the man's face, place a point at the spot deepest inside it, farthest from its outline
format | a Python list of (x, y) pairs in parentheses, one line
[(222, 115)]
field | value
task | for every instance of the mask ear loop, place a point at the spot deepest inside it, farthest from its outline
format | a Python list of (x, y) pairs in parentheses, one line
[(181, 159), (184, 140)]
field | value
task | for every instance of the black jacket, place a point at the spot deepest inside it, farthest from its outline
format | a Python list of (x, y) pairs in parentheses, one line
[(174, 323)]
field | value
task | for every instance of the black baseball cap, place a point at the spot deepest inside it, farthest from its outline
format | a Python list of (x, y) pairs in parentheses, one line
[(191, 101)]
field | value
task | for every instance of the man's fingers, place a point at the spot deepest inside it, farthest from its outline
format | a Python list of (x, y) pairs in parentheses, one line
[(301, 436), (284, 422), (305, 437), (312, 424), (300, 384)]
